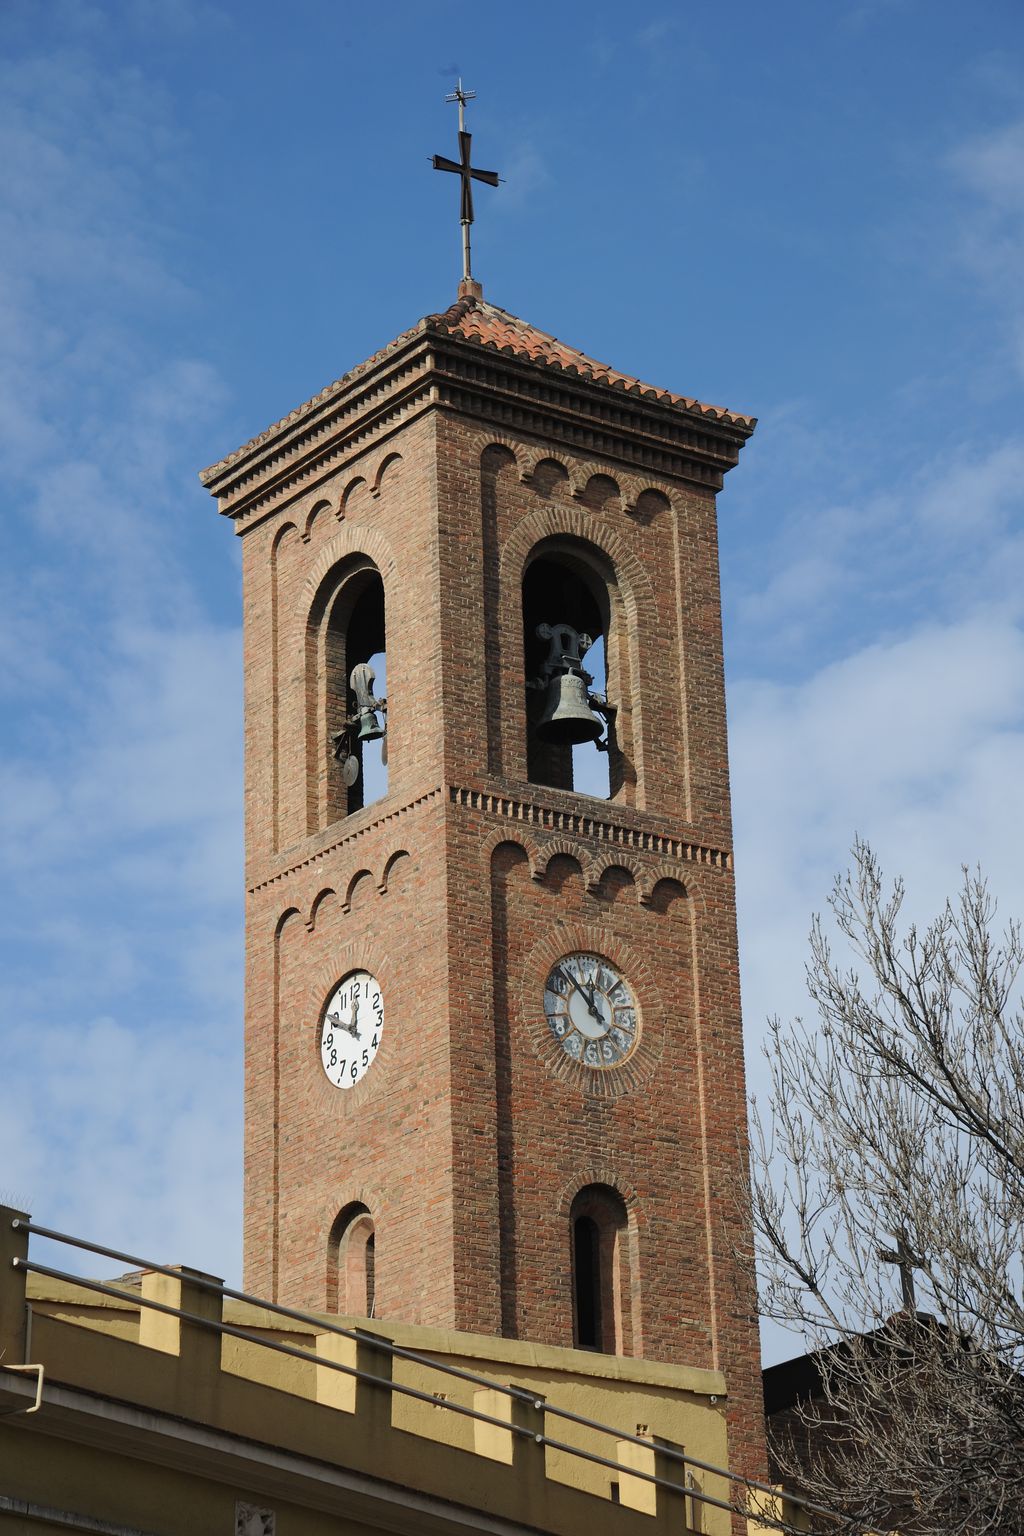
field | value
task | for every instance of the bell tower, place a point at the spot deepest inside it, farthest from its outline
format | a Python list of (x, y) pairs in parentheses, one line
[(494, 1072)]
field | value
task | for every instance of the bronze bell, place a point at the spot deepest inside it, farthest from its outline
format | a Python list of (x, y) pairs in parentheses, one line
[(567, 718), (364, 717)]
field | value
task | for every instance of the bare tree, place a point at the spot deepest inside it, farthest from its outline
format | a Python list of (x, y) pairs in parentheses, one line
[(888, 1195)]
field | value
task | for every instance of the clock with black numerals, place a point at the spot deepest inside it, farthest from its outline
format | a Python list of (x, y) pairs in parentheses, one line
[(352, 1029), (591, 1010)]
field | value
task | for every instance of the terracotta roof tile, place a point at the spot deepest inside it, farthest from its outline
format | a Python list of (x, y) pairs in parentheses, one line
[(474, 320)]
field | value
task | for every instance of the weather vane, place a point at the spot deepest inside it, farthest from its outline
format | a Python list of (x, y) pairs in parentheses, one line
[(466, 172)]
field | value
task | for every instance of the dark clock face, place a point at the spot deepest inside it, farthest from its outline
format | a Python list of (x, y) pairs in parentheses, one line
[(591, 1010)]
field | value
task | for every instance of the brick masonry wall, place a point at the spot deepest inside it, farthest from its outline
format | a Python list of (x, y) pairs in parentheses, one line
[(465, 1140)]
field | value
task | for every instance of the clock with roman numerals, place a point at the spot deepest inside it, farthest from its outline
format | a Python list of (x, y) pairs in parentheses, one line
[(352, 1028), (591, 1011)]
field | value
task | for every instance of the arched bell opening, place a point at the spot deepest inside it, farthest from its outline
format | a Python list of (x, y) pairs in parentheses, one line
[(347, 693), (601, 1271), (351, 1263), (573, 646)]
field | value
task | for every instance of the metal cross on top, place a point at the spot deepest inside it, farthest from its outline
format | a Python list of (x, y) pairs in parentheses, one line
[(906, 1261), (466, 171)]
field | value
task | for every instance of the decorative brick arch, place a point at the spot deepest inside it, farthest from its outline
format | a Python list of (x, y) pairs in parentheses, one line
[(385, 470), (509, 446), (535, 458), (316, 510), (602, 863), (283, 919), (357, 483), (587, 494), (389, 865), (350, 890), (668, 884), (653, 493), (317, 902), (525, 844), (279, 537), (564, 847), (653, 877), (689, 876), (605, 1174), (570, 522), (346, 543)]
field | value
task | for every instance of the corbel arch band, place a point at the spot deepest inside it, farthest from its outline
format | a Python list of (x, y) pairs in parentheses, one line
[(630, 487)]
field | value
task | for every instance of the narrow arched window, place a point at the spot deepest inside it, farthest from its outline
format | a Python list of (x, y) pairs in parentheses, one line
[(586, 1261), (574, 661), (351, 1263), (604, 1283), (371, 1273), (346, 694)]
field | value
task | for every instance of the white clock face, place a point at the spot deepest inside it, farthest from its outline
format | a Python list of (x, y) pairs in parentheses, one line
[(591, 1011), (352, 1029)]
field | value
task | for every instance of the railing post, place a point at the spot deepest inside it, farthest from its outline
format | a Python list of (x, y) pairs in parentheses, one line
[(13, 1279), (198, 1348), (367, 1353), (522, 1451), (668, 1504)]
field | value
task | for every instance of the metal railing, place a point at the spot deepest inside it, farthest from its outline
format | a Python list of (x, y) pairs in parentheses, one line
[(320, 1325)]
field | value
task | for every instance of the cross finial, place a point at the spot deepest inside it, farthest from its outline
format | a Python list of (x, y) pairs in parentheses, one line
[(467, 174), (461, 97), (906, 1260)]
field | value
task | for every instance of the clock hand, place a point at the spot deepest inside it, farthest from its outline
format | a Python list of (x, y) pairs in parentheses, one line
[(349, 1026), (592, 1009)]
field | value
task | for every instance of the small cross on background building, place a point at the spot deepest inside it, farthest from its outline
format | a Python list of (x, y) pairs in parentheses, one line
[(468, 173), (904, 1257)]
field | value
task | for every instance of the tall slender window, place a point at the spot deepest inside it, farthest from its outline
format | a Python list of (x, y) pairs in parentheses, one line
[(604, 1282), (586, 1253), (576, 670), (364, 646), (371, 1274), (346, 671), (351, 1263)]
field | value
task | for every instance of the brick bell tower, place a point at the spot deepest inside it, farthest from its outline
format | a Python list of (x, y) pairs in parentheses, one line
[(494, 1072)]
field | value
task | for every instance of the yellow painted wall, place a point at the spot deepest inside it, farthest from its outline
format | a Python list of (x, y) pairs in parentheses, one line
[(173, 1373)]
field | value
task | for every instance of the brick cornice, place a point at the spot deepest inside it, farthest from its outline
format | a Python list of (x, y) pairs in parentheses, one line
[(632, 831), (340, 836), (427, 371)]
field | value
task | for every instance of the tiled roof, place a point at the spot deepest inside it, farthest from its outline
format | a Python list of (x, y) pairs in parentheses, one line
[(473, 320)]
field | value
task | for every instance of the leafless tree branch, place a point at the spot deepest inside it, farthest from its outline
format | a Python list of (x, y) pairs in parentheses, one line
[(899, 1109)]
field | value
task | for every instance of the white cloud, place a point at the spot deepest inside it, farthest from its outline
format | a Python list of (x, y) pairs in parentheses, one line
[(917, 745), (111, 1132), (120, 792), (990, 240), (992, 165), (525, 173)]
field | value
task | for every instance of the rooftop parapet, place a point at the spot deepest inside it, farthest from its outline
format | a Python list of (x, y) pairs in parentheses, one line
[(168, 1368)]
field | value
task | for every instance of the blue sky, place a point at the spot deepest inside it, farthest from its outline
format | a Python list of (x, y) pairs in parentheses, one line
[(812, 212)]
